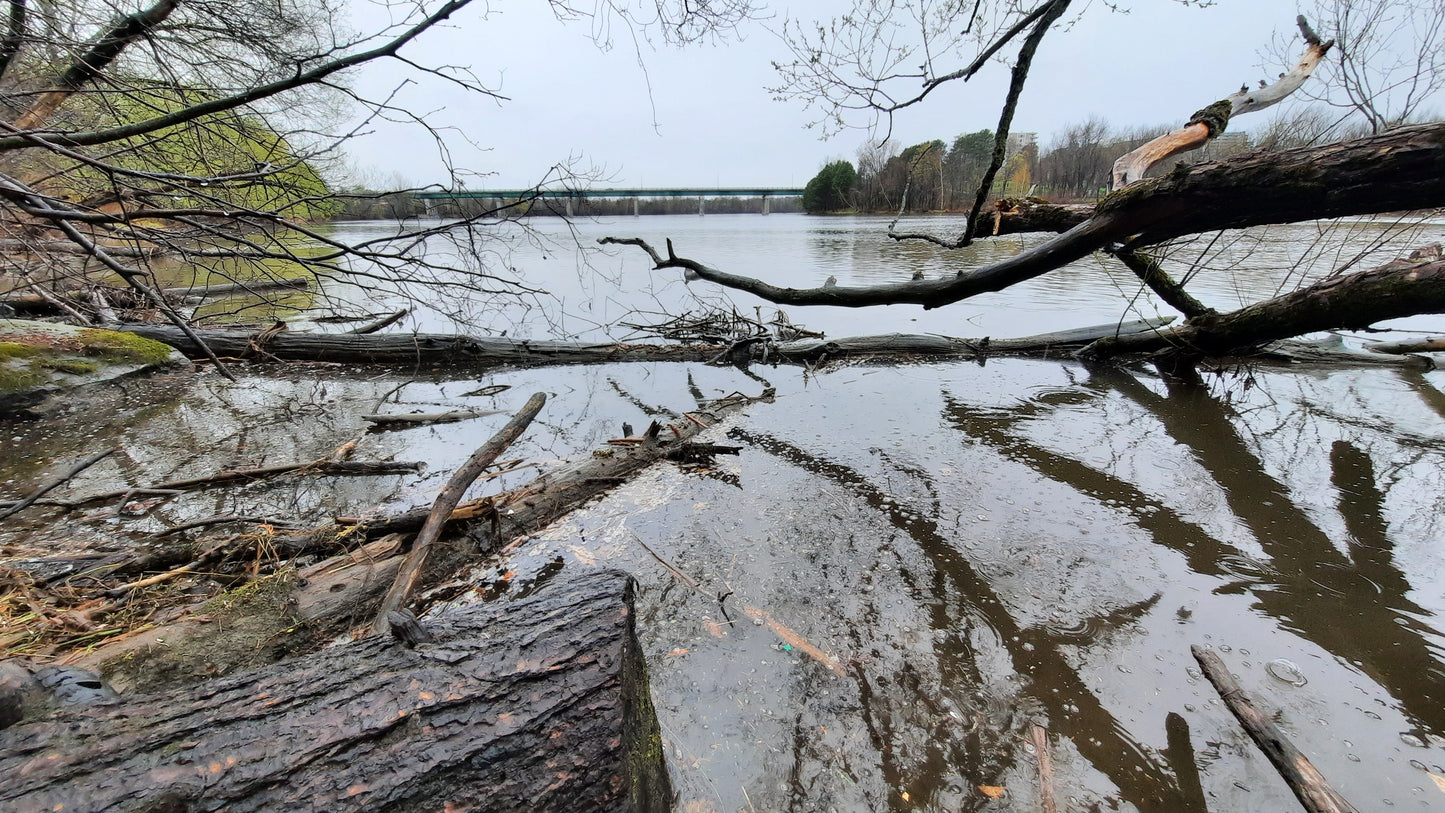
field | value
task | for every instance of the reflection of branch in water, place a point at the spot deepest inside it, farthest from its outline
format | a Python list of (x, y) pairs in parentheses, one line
[(1201, 551), (1363, 615), (960, 593), (1186, 767), (1428, 392), (650, 410)]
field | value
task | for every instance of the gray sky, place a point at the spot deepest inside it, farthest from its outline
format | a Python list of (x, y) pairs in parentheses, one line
[(715, 122)]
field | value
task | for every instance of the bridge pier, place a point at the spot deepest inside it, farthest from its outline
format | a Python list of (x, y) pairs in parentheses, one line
[(767, 204), (701, 201), (636, 206), (568, 201)]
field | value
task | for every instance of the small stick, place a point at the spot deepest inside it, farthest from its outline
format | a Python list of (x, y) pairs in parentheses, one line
[(49, 486), (410, 571), (686, 579), (1294, 767), (1040, 739)]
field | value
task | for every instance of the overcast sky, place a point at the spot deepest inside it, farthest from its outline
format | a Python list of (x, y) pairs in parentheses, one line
[(702, 116)]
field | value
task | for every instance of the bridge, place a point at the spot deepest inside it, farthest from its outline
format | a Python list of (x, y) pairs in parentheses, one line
[(567, 196)]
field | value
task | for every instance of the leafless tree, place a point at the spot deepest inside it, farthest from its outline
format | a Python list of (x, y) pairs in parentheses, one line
[(1396, 171), (1390, 58), (196, 132)]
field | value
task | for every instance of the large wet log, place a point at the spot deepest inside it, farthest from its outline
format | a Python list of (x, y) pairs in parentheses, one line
[(540, 703), (415, 348), (439, 349)]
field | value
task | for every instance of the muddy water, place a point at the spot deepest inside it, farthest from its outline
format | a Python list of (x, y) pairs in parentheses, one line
[(910, 567)]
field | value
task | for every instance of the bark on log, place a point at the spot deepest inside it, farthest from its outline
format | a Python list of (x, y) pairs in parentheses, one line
[(536, 704), (1398, 288), (1294, 767)]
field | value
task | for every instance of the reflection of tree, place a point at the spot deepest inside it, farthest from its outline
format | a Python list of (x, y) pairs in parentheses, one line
[(1356, 607), (958, 599)]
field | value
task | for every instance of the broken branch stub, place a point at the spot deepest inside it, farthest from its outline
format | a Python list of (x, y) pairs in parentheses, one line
[(1212, 120)]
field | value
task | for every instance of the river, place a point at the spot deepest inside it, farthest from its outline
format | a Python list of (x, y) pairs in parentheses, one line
[(922, 562)]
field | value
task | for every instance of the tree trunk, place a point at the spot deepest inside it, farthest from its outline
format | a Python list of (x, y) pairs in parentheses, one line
[(1398, 288), (540, 703)]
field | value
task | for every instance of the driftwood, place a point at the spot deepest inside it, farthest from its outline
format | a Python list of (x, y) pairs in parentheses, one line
[(295, 611), (540, 703), (1039, 738), (1294, 767), (410, 571), (324, 466), (428, 417), (558, 491), (1433, 344), (378, 324)]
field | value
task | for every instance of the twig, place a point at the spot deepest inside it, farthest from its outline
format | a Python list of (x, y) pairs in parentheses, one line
[(686, 579), (410, 572), (54, 482)]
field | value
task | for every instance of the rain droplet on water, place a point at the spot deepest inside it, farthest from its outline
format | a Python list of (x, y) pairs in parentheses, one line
[(1286, 671)]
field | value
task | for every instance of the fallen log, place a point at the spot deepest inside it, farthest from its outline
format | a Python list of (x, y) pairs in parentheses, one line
[(231, 288), (554, 493), (935, 345), (1398, 288), (418, 348), (1294, 767), (541, 703)]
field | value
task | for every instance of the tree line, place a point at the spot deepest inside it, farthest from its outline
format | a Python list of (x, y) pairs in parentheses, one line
[(1074, 166)]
